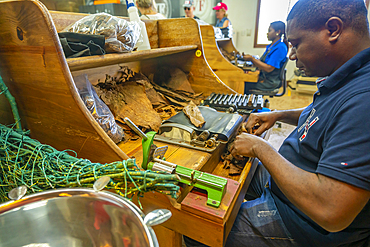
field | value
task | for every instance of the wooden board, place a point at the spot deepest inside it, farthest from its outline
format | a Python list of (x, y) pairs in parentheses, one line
[(227, 44), (228, 73), (81, 63), (196, 203), (190, 158), (167, 237), (193, 218)]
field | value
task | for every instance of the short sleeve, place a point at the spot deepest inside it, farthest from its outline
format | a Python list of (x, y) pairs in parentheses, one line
[(277, 55), (346, 145)]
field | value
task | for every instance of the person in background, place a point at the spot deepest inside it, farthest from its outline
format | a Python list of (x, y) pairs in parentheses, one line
[(314, 191), (189, 9), (271, 61), (222, 20), (148, 10)]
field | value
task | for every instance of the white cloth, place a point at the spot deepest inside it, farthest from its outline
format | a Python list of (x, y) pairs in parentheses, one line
[(157, 16)]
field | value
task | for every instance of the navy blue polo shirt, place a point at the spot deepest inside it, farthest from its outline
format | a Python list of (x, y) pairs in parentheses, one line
[(333, 139)]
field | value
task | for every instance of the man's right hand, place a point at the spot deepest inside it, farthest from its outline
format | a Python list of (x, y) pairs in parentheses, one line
[(260, 122)]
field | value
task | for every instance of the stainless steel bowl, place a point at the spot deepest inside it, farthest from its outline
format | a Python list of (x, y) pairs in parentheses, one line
[(76, 217)]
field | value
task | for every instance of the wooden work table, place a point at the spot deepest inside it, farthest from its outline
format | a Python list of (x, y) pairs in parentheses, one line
[(41, 80), (190, 214)]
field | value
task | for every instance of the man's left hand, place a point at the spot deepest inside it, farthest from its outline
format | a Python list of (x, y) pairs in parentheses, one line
[(246, 145)]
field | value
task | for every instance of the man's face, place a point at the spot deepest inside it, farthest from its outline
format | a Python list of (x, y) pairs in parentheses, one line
[(189, 11), (310, 50)]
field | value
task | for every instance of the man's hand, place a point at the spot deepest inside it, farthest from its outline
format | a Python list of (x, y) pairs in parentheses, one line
[(259, 122), (246, 145)]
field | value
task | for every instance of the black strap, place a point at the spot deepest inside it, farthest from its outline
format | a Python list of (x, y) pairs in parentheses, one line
[(262, 59), (79, 45)]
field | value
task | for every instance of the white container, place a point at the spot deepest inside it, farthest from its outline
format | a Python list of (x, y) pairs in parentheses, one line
[(134, 16)]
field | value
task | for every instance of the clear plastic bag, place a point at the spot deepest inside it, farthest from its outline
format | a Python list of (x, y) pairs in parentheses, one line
[(98, 108), (120, 35)]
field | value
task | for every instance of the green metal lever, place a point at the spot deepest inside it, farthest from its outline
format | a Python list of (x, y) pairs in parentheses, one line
[(214, 185), (146, 141)]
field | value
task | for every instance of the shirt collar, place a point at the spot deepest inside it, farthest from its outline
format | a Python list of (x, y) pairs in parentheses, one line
[(340, 75), (269, 46), (321, 79)]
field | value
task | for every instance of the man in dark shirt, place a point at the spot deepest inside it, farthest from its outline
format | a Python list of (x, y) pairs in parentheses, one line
[(318, 186), (189, 9)]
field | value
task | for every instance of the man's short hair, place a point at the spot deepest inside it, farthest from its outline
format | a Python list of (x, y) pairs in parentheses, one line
[(313, 14)]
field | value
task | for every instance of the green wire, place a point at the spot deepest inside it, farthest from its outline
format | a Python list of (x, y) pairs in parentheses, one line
[(25, 161)]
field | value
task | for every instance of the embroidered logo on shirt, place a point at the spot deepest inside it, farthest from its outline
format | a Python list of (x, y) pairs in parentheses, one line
[(266, 213), (307, 125), (343, 163)]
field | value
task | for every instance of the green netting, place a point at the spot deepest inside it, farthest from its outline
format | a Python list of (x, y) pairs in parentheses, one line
[(13, 105), (25, 161)]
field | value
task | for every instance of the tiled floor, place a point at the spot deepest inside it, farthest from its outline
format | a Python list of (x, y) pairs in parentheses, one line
[(279, 133), (290, 100)]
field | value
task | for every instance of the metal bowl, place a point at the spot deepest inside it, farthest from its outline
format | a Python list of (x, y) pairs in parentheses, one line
[(76, 217)]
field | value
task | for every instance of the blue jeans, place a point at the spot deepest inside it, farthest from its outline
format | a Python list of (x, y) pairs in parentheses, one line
[(258, 222)]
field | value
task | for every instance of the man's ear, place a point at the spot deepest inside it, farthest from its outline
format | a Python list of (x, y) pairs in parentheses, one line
[(335, 26)]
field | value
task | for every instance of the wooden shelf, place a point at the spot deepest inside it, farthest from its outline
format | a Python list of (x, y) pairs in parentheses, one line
[(81, 63)]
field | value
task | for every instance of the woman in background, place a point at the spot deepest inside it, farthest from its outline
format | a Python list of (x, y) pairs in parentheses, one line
[(148, 10), (272, 60), (222, 20)]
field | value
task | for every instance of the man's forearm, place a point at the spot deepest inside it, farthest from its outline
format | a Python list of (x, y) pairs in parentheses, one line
[(330, 203), (289, 116), (291, 180)]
